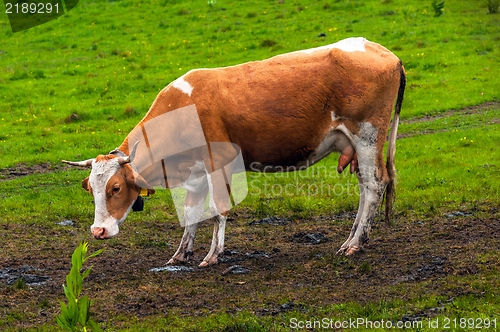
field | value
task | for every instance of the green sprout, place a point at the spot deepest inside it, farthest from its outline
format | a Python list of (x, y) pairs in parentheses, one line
[(438, 6), (77, 312)]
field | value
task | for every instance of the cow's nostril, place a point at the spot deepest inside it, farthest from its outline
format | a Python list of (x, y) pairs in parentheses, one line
[(99, 232)]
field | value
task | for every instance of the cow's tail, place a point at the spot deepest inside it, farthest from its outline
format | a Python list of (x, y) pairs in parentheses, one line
[(390, 191)]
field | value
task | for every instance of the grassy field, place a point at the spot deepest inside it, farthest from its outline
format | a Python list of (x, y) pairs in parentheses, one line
[(81, 82), (74, 87)]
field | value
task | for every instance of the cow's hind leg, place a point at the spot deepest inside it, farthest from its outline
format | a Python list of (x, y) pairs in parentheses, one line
[(193, 209), (345, 246), (373, 180)]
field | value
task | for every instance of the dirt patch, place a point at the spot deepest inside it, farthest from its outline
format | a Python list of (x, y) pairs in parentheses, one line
[(24, 274), (22, 170), (265, 269), (270, 266), (311, 238), (479, 109)]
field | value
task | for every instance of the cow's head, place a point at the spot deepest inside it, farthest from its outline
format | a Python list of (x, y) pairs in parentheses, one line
[(115, 186)]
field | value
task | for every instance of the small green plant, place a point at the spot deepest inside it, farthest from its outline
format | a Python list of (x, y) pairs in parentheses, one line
[(365, 268), (20, 284), (76, 315), (493, 6), (438, 6), (39, 74)]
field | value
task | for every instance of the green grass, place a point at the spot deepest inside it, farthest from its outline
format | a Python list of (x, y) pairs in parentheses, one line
[(326, 318), (107, 70), (455, 166), (443, 160), (73, 88)]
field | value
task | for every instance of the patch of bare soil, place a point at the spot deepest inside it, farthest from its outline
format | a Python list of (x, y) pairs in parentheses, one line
[(21, 169), (268, 267), (479, 109)]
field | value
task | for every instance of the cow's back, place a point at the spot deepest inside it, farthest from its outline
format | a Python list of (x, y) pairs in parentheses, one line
[(280, 109)]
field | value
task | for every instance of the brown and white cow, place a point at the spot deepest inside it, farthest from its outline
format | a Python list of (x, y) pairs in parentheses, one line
[(284, 113)]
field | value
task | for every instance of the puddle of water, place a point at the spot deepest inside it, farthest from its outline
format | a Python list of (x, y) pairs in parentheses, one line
[(257, 254), (459, 214), (312, 238), (172, 268), (236, 269), (12, 275), (271, 221), (66, 222)]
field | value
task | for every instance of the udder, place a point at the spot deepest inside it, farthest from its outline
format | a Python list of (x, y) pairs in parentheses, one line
[(347, 157), (347, 154)]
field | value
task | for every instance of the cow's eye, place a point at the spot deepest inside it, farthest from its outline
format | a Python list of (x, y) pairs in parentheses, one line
[(116, 190)]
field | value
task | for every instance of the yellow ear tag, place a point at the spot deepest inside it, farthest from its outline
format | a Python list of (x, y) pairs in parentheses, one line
[(144, 192)]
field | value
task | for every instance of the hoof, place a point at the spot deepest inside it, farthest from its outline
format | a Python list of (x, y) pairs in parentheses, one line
[(352, 250), (172, 261), (348, 251), (203, 264), (209, 262), (180, 258), (176, 261)]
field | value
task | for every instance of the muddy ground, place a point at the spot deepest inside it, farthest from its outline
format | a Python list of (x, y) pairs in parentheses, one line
[(281, 264), (285, 263)]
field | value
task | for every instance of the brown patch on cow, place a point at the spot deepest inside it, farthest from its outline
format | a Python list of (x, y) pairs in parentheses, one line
[(86, 185), (107, 157), (121, 191), (278, 110)]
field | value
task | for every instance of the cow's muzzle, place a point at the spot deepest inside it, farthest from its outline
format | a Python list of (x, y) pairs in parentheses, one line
[(99, 233)]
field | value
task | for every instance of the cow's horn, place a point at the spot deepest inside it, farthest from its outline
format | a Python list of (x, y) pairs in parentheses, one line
[(85, 163), (130, 158)]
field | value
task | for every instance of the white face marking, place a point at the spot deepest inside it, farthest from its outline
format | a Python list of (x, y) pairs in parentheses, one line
[(183, 85), (347, 45), (101, 173)]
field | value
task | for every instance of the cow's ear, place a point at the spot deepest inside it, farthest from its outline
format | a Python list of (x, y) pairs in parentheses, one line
[(140, 182), (85, 184)]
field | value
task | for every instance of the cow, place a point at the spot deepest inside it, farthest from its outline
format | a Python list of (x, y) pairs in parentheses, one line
[(281, 114)]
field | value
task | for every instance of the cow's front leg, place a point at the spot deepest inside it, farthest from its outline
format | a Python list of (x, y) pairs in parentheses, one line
[(193, 209), (185, 249), (217, 247)]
